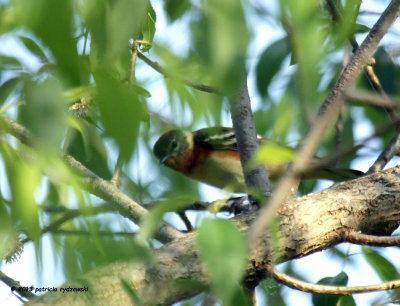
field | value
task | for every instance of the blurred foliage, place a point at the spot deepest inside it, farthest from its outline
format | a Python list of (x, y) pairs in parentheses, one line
[(330, 299), (68, 74), (224, 251)]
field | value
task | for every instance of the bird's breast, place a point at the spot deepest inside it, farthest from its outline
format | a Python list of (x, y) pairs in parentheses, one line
[(220, 168)]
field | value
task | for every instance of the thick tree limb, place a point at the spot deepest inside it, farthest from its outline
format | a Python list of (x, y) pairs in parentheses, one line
[(370, 204)]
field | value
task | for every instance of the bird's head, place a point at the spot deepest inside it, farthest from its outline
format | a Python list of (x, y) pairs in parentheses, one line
[(172, 144)]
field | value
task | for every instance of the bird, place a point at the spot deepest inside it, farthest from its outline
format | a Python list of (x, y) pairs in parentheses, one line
[(210, 155)]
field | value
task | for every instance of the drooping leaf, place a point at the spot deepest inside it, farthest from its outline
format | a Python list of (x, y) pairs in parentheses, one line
[(148, 30), (7, 88), (86, 146), (269, 64), (175, 9), (330, 299), (346, 300), (224, 252), (121, 112), (50, 21), (383, 267), (220, 39), (23, 178), (33, 47), (44, 112), (152, 221)]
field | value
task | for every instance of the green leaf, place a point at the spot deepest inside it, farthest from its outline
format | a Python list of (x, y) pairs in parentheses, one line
[(86, 146), (121, 112), (8, 234), (272, 153), (346, 300), (131, 292), (348, 16), (51, 20), (383, 267), (23, 179), (33, 47), (220, 37), (224, 252), (175, 9), (44, 112), (330, 299), (148, 30), (7, 88), (360, 28), (141, 91), (76, 93), (270, 63), (9, 62), (385, 70), (111, 26), (152, 221), (272, 290), (307, 45)]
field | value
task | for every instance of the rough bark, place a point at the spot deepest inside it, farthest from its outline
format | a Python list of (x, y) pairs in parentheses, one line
[(246, 136), (370, 204)]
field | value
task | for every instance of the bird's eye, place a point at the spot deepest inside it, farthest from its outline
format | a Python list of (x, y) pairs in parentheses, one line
[(174, 144)]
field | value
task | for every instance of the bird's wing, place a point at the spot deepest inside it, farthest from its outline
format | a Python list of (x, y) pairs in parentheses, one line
[(217, 138)]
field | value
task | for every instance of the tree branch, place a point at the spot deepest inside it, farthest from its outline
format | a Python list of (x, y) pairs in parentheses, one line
[(371, 240), (246, 135), (370, 204), (329, 108), (328, 289), (371, 98), (96, 185), (390, 151), (13, 284), (164, 72)]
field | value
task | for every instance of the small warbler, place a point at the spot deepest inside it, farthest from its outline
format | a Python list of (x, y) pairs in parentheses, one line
[(211, 156)]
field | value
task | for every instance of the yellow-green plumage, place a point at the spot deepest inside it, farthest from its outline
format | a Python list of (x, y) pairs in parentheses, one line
[(210, 156)]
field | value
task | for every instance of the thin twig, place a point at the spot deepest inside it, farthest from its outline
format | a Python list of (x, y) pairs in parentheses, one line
[(371, 240), (86, 233), (390, 151), (326, 160), (368, 69), (371, 98), (135, 51), (55, 225), (13, 284), (164, 72), (339, 133), (328, 289), (87, 211), (185, 220), (117, 173)]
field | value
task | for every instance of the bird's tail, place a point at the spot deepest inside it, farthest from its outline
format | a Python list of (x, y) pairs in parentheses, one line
[(332, 173)]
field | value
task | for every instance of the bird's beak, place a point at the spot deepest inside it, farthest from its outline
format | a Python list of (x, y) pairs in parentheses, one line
[(164, 159)]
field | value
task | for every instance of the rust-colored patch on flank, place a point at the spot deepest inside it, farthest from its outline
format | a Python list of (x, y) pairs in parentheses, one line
[(196, 157), (200, 155)]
